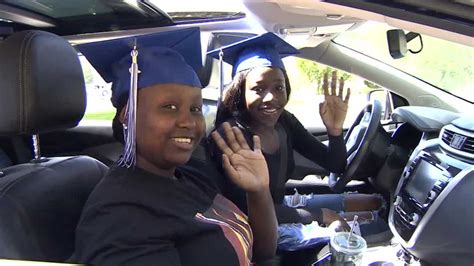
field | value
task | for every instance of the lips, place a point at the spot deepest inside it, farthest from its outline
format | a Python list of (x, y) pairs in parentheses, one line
[(269, 109)]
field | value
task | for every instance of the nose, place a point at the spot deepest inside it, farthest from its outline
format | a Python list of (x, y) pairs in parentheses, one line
[(186, 120), (268, 97)]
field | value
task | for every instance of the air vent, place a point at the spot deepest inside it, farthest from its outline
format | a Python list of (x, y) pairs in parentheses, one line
[(457, 141)]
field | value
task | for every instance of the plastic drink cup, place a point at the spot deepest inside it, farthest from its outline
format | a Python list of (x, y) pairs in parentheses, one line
[(345, 251)]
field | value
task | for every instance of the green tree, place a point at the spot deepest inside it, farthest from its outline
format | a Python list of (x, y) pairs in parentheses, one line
[(371, 85), (315, 72)]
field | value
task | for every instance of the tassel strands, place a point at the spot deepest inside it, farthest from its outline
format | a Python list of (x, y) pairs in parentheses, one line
[(128, 158), (221, 77)]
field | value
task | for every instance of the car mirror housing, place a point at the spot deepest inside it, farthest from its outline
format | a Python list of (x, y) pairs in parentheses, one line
[(397, 42)]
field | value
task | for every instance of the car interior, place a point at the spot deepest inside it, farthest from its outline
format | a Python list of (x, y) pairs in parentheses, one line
[(408, 139)]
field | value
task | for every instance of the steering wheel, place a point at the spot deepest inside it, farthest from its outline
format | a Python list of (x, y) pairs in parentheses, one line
[(359, 144)]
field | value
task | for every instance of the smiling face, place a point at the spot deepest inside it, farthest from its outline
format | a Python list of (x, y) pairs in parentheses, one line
[(265, 95), (170, 125)]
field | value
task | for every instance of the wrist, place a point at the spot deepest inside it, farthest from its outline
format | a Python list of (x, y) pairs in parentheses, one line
[(257, 187), (257, 195), (334, 131)]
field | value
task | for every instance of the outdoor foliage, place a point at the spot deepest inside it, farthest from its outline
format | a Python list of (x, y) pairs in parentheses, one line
[(315, 72), (88, 76), (371, 85)]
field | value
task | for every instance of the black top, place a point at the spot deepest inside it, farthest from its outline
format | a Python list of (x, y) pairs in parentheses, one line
[(331, 157), (134, 217)]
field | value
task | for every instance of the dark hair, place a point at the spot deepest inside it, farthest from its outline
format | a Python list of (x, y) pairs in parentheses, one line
[(117, 126), (233, 104)]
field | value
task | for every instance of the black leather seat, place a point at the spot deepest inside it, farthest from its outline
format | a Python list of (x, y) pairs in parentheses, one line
[(42, 89), (4, 160)]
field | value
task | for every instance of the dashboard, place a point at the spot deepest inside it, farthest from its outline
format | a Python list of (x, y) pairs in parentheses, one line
[(431, 214)]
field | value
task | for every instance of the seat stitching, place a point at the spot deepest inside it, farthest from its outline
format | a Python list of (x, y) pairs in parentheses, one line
[(22, 71)]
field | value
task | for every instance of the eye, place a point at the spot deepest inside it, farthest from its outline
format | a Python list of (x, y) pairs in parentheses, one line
[(280, 88), (196, 109), (257, 89), (170, 106)]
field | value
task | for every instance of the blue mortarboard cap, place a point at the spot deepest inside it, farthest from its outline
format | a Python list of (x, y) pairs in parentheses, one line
[(263, 50), (164, 57)]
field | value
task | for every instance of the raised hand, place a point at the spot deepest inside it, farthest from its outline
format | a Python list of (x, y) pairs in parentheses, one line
[(247, 168), (334, 108)]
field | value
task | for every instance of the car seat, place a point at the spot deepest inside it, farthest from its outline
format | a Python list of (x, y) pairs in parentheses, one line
[(4, 159), (42, 88)]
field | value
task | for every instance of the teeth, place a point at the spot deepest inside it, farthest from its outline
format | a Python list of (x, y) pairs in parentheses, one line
[(182, 140), (270, 110), (267, 107)]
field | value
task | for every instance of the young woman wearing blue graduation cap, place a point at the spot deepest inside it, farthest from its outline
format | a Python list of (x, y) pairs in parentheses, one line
[(149, 209), (255, 100)]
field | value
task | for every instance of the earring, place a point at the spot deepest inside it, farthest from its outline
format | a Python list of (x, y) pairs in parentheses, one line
[(124, 126)]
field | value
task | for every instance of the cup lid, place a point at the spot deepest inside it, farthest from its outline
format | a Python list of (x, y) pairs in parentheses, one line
[(341, 243)]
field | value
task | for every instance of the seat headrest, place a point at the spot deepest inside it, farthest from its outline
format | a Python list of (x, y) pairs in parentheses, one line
[(41, 84)]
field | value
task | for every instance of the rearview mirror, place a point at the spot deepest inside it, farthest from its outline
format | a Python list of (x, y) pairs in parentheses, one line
[(397, 43)]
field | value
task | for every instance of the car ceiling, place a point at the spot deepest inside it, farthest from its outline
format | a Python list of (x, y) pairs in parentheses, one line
[(447, 19), (315, 20), (451, 15), (67, 18)]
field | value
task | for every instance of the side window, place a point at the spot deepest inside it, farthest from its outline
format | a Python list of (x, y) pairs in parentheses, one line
[(99, 92), (306, 79)]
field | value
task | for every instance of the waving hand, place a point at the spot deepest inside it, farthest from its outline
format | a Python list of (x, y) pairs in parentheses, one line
[(247, 168), (334, 108)]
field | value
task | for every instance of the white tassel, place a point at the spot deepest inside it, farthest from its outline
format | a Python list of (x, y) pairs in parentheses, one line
[(221, 77), (128, 158)]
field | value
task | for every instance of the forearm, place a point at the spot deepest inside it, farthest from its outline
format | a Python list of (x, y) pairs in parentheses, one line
[(332, 157), (264, 225), (338, 154)]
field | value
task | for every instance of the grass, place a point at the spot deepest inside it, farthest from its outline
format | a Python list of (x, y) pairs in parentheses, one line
[(109, 115)]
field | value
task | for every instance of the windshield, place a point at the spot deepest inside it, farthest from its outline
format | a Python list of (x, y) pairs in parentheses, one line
[(446, 65)]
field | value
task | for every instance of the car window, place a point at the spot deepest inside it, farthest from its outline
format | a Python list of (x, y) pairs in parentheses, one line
[(99, 106), (306, 91)]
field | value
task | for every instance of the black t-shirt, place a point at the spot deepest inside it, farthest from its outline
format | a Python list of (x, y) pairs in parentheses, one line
[(134, 217), (331, 157)]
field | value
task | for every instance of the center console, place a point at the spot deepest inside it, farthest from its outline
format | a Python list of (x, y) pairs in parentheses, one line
[(432, 215), (424, 180)]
